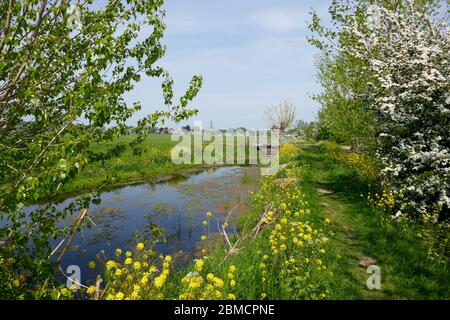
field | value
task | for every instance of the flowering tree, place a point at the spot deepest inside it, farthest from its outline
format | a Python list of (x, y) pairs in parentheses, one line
[(409, 55), (64, 68), (403, 51)]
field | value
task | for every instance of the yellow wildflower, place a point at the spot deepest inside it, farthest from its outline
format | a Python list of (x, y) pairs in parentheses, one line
[(159, 281), (218, 282), (64, 291), (144, 280), (110, 264), (199, 265), (120, 296), (91, 290)]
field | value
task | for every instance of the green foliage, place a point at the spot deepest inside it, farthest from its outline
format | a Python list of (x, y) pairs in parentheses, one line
[(343, 116), (63, 73), (379, 95)]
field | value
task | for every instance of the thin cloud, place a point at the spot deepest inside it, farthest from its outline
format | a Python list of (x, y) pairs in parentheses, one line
[(278, 20)]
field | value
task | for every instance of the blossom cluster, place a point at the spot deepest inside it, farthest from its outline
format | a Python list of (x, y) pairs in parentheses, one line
[(408, 58), (134, 275)]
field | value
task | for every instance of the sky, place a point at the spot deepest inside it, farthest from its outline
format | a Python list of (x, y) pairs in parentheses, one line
[(252, 54)]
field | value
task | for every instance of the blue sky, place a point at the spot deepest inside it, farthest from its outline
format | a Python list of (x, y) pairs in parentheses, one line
[(251, 53)]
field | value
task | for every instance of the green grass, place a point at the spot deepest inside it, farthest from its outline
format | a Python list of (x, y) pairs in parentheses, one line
[(360, 230), (357, 230), (154, 163)]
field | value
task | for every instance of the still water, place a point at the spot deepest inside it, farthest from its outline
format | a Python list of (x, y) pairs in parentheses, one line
[(178, 207)]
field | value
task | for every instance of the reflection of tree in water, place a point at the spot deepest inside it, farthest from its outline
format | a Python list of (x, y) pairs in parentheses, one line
[(118, 197), (176, 180), (150, 187), (153, 232), (160, 209), (106, 228), (209, 186)]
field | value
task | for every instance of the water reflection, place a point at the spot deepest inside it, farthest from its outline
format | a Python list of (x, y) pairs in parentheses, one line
[(178, 206)]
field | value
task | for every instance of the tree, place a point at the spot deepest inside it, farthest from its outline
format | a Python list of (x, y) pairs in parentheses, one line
[(63, 72), (302, 129), (280, 117), (409, 57), (388, 61), (343, 116)]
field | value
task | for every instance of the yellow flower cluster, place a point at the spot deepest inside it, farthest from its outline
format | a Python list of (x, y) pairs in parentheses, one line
[(133, 277), (296, 246), (209, 286), (385, 200), (287, 152), (363, 164)]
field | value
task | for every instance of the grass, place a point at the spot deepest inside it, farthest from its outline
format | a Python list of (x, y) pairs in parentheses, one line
[(361, 230), (357, 230), (329, 192), (153, 164)]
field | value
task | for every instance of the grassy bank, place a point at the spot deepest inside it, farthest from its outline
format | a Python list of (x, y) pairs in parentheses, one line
[(309, 235), (153, 163), (359, 234)]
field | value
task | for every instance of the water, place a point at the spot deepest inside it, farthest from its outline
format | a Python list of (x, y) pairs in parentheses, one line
[(178, 207)]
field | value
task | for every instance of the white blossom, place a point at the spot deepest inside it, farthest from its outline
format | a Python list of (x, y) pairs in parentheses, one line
[(409, 54)]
